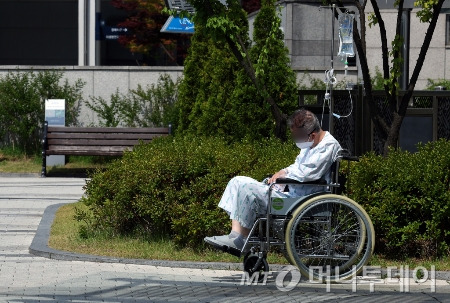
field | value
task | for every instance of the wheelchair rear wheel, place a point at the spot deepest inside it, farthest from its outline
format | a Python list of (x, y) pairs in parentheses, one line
[(331, 237)]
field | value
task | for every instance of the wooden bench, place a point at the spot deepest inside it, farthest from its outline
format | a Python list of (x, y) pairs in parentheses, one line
[(94, 141)]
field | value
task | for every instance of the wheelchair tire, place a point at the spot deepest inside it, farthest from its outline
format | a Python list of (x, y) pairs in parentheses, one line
[(330, 237), (250, 266)]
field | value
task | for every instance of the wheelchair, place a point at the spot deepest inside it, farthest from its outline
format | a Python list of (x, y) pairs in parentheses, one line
[(326, 235)]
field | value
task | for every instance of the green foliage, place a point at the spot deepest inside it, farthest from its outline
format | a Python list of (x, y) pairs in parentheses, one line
[(222, 22), (108, 112), (308, 82), (432, 84), (22, 105), (408, 198), (272, 64), (217, 97), (172, 186), (426, 13), (205, 91), (396, 68), (377, 80), (373, 20), (154, 105)]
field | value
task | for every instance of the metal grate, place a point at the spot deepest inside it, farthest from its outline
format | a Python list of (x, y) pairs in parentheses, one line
[(344, 128), (422, 102), (383, 107), (443, 118)]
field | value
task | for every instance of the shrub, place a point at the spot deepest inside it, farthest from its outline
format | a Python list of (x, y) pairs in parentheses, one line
[(408, 198), (154, 105), (432, 84), (171, 187), (22, 105)]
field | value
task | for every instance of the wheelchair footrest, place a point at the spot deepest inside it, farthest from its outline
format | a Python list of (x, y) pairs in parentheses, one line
[(228, 249), (231, 250)]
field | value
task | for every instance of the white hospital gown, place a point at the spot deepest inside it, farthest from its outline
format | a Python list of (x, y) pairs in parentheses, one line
[(245, 197)]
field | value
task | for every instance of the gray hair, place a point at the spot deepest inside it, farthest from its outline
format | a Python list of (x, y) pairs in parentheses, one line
[(303, 118)]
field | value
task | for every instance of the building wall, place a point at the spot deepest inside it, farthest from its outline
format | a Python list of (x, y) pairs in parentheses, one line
[(307, 29), (437, 60), (104, 81), (308, 34)]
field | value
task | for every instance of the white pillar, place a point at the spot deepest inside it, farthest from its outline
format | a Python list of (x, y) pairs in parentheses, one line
[(81, 33)]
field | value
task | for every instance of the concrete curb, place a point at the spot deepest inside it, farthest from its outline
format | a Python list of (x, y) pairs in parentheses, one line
[(39, 247)]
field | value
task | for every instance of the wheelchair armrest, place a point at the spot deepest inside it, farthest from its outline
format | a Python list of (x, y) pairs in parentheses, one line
[(350, 158), (292, 181)]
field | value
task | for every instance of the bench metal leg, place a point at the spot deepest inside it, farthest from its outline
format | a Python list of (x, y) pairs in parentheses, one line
[(44, 165), (44, 147)]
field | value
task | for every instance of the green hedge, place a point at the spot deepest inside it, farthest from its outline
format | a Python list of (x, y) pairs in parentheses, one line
[(172, 186), (408, 198)]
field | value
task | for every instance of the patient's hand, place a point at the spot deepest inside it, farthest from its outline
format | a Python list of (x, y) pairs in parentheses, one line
[(280, 174)]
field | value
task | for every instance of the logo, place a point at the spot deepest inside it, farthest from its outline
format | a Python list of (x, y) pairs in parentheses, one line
[(277, 203)]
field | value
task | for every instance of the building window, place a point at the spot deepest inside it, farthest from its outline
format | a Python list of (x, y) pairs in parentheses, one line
[(447, 29)]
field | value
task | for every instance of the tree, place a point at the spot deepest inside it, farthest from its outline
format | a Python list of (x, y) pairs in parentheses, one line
[(229, 25), (269, 56), (204, 93), (429, 13), (145, 23), (251, 6)]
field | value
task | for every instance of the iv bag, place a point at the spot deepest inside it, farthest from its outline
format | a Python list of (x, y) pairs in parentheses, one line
[(345, 36)]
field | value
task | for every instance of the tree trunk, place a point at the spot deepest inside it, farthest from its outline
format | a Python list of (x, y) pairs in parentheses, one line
[(278, 115), (393, 135), (359, 40)]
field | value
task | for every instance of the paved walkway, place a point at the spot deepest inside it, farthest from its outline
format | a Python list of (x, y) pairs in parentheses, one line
[(29, 278)]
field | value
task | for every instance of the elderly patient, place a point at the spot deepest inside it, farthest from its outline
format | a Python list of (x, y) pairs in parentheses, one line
[(244, 197)]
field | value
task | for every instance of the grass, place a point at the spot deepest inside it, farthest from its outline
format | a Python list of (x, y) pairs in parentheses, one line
[(16, 162), (11, 162), (64, 236)]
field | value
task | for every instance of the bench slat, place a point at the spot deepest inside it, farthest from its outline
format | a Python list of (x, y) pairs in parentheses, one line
[(101, 141), (117, 130), (103, 149), (84, 153), (102, 136), (87, 142)]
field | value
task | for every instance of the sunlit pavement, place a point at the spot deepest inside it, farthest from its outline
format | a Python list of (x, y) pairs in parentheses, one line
[(29, 278)]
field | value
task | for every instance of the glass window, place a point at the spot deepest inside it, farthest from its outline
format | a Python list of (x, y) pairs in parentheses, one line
[(447, 29)]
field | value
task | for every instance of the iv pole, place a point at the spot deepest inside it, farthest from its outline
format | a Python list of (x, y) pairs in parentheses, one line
[(330, 80), (331, 106)]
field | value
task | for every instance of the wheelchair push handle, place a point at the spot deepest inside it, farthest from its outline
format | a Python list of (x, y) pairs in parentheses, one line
[(292, 181)]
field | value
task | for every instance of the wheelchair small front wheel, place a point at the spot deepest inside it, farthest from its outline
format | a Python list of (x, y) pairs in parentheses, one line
[(331, 237), (256, 264)]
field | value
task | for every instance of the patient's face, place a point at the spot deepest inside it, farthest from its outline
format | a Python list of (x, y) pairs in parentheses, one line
[(299, 134)]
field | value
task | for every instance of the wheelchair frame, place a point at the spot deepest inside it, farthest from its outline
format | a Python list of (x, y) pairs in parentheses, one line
[(271, 230)]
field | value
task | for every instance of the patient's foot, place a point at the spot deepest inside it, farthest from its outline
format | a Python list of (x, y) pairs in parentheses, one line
[(234, 240)]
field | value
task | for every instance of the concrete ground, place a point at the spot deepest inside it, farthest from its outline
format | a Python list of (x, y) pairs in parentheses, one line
[(27, 205)]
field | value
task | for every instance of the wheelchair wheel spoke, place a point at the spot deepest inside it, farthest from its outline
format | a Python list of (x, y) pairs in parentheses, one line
[(329, 233)]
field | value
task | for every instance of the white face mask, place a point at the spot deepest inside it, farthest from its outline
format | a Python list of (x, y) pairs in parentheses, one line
[(303, 145)]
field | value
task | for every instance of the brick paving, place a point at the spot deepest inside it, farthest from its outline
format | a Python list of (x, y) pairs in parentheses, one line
[(26, 277)]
